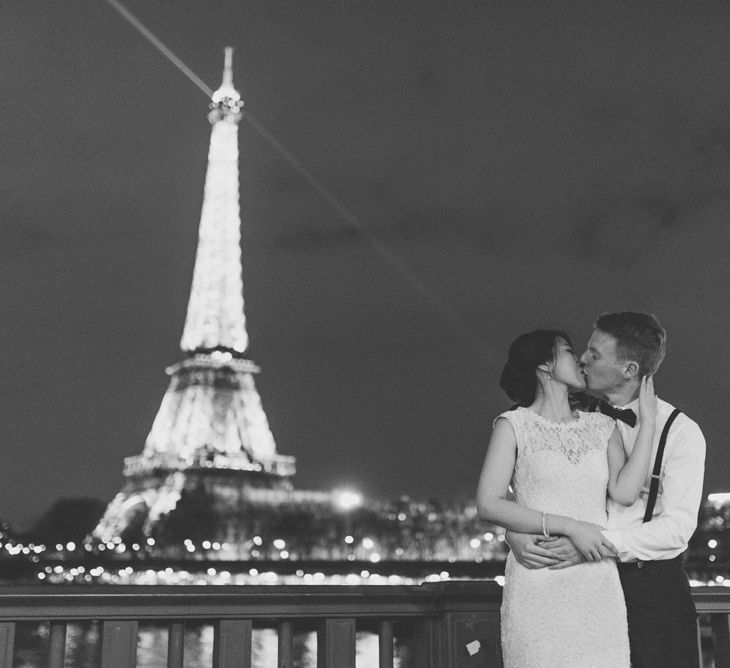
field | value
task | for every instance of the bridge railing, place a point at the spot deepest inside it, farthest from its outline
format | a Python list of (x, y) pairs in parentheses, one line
[(454, 624), (445, 617)]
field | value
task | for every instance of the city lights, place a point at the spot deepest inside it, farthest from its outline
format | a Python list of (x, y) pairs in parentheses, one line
[(452, 535)]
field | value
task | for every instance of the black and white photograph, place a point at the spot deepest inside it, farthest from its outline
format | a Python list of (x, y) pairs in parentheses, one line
[(364, 334)]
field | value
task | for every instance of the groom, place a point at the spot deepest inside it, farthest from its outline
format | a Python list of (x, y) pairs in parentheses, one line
[(662, 618)]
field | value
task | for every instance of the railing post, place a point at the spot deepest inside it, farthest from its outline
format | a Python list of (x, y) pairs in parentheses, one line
[(698, 629), (232, 643), (176, 645), (336, 644), (284, 653), (429, 642), (385, 644), (118, 644), (57, 648), (721, 639), (7, 637)]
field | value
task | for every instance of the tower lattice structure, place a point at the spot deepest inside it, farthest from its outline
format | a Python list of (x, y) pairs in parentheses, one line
[(210, 448)]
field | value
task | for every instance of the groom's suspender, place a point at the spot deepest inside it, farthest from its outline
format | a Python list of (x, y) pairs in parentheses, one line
[(654, 485)]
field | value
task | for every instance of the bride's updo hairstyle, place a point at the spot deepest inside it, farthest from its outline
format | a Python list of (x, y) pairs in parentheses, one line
[(526, 353)]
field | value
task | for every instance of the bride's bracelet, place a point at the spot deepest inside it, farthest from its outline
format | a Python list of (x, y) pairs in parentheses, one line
[(545, 530)]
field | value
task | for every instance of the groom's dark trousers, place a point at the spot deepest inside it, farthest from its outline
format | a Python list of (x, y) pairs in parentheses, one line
[(662, 617)]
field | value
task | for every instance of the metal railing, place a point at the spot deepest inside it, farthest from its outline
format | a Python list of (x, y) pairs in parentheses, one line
[(444, 617), (453, 624)]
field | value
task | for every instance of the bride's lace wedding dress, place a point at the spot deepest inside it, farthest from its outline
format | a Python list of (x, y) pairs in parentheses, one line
[(574, 617)]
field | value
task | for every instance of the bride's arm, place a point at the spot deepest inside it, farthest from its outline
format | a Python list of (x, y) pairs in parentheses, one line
[(493, 505), (626, 477)]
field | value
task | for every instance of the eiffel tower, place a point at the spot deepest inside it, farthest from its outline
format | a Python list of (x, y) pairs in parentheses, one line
[(210, 453)]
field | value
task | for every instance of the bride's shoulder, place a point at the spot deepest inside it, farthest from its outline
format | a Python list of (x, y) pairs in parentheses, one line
[(521, 419), (513, 415)]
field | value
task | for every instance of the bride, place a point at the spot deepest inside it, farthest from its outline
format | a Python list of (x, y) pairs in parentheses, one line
[(561, 465)]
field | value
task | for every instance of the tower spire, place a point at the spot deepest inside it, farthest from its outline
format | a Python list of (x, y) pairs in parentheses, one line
[(227, 75)]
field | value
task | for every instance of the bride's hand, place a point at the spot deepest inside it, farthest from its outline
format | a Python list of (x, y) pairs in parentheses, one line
[(647, 400), (588, 540)]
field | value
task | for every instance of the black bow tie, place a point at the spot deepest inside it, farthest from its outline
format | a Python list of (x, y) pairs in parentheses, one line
[(586, 402), (624, 414)]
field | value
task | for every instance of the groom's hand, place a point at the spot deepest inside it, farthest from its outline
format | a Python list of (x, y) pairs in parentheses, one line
[(565, 552), (531, 551), (568, 555)]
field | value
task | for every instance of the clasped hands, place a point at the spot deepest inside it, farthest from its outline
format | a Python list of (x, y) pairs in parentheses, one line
[(556, 552)]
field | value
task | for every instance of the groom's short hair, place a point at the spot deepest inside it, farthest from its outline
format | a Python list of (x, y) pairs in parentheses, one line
[(639, 337)]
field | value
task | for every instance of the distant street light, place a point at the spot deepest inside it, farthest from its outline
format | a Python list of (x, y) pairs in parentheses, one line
[(347, 499), (719, 499)]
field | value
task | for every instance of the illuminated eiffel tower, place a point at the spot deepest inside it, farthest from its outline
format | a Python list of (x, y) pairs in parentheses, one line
[(210, 449)]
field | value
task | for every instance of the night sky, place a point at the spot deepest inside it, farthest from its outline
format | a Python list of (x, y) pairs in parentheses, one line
[(525, 163)]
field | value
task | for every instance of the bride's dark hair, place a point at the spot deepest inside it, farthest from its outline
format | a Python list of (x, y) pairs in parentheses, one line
[(526, 353)]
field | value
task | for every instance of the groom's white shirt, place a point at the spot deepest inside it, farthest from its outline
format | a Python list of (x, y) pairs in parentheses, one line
[(675, 513)]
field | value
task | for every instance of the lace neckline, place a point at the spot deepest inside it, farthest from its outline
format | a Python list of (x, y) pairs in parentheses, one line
[(545, 420)]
